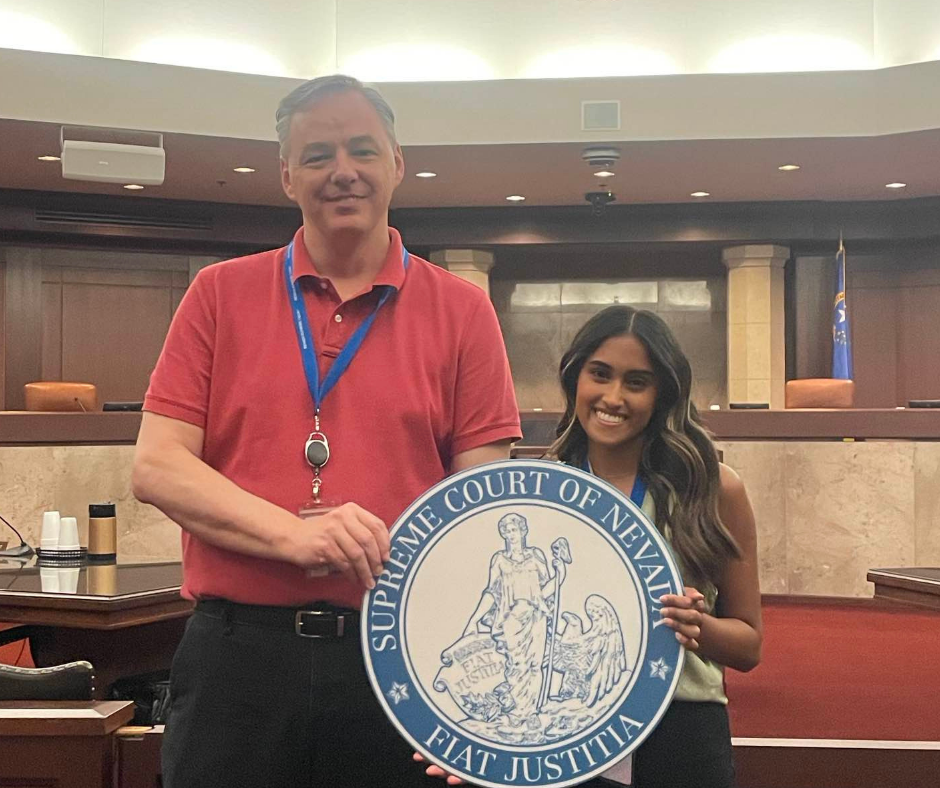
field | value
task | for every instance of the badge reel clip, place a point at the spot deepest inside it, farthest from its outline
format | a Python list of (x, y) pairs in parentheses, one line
[(317, 452)]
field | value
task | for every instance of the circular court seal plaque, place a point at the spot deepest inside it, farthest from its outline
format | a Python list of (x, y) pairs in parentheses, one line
[(515, 637)]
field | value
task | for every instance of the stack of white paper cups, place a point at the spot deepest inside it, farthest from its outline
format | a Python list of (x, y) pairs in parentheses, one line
[(58, 540), (49, 536), (68, 534)]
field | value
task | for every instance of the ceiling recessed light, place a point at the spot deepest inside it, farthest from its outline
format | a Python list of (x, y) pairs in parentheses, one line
[(895, 185), (425, 174), (243, 169), (700, 194), (48, 158), (133, 186), (515, 198), (788, 167), (604, 174)]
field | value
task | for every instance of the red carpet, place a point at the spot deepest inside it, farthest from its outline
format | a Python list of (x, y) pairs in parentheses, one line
[(841, 669), (15, 653)]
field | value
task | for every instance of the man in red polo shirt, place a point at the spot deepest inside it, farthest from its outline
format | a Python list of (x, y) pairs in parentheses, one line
[(304, 397)]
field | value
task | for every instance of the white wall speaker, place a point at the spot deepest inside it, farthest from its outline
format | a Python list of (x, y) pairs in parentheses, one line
[(111, 162)]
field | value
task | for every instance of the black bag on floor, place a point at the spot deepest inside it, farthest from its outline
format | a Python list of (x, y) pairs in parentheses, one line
[(151, 696)]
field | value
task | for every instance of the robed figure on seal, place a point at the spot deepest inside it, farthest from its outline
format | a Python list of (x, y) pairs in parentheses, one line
[(517, 608), (500, 671)]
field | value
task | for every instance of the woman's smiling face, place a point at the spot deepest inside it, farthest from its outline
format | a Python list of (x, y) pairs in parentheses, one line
[(616, 393)]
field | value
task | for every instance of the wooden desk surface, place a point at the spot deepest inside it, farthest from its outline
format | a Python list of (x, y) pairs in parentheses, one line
[(132, 629), (914, 586), (136, 594), (63, 718)]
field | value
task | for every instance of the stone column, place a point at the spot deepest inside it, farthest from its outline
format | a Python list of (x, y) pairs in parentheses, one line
[(756, 340), (471, 264)]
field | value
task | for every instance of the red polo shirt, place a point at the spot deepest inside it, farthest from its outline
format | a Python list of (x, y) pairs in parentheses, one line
[(430, 381)]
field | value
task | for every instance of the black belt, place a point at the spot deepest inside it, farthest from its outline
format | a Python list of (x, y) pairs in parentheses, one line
[(319, 620)]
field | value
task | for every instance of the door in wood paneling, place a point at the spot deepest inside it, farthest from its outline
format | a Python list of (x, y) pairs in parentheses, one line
[(874, 345), (919, 342), (812, 290), (113, 327)]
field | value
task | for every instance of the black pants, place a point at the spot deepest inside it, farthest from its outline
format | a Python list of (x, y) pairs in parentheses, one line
[(690, 748), (258, 707)]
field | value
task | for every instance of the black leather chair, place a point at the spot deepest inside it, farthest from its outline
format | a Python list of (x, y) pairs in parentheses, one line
[(71, 681)]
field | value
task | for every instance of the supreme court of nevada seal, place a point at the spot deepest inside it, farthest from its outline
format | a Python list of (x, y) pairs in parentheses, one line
[(514, 637)]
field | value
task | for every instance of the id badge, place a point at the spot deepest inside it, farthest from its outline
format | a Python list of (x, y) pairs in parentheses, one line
[(310, 510), (621, 773)]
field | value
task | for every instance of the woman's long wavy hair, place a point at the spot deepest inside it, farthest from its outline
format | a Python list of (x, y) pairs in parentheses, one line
[(679, 459)]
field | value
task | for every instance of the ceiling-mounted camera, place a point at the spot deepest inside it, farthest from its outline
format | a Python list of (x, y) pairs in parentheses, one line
[(599, 201)]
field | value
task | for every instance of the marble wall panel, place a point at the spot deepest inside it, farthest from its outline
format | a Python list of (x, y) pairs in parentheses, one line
[(67, 479), (701, 336), (27, 489), (539, 320), (759, 466), (533, 345), (850, 507), (826, 512), (927, 504)]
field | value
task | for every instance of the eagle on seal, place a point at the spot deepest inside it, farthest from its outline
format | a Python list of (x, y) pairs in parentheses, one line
[(591, 660)]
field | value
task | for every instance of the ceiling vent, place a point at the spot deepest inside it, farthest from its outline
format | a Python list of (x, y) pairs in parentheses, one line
[(600, 116), (114, 219)]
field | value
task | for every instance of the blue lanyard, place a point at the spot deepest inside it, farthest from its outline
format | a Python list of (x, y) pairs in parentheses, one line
[(319, 389), (637, 494)]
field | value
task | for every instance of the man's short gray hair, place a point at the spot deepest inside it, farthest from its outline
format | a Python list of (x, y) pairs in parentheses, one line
[(314, 90)]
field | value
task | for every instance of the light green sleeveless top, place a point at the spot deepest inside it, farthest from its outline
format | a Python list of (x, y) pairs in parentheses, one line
[(702, 680)]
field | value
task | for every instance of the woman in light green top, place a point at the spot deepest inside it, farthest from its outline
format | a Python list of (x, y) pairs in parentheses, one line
[(629, 417)]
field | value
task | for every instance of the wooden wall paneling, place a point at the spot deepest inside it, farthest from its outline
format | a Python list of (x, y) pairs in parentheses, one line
[(196, 264), (3, 276), (113, 277), (52, 327), (181, 281), (176, 296), (114, 260), (920, 277), (919, 341), (51, 321), (113, 327), (873, 312), (813, 285), (22, 316)]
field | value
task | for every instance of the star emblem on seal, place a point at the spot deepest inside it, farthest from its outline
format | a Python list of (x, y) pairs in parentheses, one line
[(659, 669), (398, 693)]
